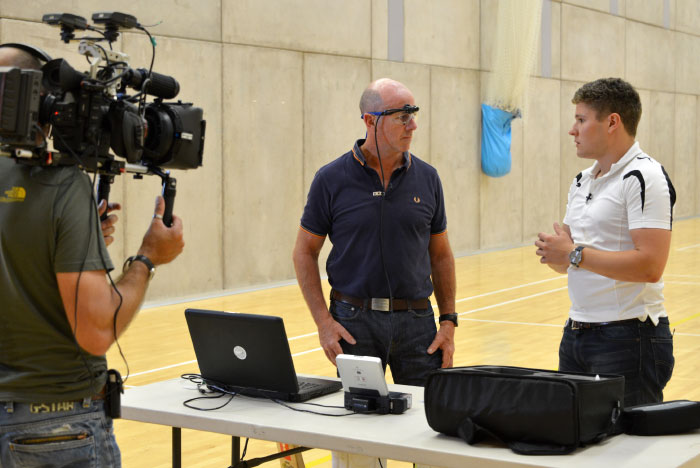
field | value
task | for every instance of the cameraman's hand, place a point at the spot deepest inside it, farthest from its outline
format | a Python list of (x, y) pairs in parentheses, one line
[(161, 244), (110, 221)]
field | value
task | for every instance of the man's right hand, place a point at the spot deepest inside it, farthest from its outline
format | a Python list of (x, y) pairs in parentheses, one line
[(161, 244), (108, 223), (329, 334)]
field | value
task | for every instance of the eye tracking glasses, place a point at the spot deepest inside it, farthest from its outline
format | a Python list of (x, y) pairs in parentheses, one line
[(408, 113)]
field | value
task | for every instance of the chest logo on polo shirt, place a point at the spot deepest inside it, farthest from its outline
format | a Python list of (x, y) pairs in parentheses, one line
[(15, 194), (416, 199)]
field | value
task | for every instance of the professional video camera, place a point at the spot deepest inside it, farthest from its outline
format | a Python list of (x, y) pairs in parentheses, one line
[(91, 113)]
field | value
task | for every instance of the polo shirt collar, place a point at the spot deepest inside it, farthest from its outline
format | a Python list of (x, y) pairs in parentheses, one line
[(631, 153), (360, 157)]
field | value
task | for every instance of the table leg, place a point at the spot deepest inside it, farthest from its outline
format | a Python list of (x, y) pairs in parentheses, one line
[(235, 450), (177, 447)]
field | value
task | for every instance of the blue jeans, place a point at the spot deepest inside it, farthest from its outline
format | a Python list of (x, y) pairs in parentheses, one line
[(57, 435), (641, 352), (400, 339)]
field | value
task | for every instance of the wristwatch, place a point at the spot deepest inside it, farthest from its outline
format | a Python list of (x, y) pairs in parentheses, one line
[(450, 317), (576, 256), (143, 259)]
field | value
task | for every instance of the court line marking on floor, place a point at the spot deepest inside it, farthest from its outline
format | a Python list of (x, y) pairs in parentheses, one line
[(515, 323), (510, 289), (687, 247), (162, 368), (672, 325), (512, 301)]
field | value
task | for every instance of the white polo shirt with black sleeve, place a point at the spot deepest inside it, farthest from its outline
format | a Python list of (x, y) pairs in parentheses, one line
[(636, 193)]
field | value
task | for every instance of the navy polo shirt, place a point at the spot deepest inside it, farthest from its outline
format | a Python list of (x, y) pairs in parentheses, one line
[(344, 204)]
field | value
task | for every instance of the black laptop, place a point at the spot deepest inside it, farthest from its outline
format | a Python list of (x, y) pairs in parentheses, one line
[(249, 354)]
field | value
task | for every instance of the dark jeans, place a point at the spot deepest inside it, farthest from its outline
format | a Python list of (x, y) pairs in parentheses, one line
[(57, 435), (642, 352), (400, 339)]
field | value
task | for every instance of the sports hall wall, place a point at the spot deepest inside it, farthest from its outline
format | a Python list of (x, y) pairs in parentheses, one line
[(280, 80)]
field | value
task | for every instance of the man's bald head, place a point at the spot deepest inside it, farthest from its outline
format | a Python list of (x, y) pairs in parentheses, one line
[(13, 57), (374, 96)]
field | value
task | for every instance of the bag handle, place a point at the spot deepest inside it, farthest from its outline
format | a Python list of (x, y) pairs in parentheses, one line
[(471, 433)]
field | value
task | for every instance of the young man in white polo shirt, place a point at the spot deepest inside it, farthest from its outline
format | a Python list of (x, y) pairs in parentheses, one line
[(614, 244)]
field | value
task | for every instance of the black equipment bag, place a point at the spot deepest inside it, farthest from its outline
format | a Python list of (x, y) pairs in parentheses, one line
[(534, 411)]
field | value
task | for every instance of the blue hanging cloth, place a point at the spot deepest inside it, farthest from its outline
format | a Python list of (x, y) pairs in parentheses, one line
[(495, 140)]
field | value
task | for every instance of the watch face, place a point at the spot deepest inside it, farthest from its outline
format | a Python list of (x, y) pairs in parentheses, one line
[(575, 256)]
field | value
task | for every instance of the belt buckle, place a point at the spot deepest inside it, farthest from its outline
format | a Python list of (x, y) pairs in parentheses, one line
[(380, 303), (574, 325)]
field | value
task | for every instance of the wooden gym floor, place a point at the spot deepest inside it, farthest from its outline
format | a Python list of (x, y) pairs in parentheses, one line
[(511, 309)]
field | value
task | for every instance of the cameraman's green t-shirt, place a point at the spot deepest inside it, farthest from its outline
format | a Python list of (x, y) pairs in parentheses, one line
[(48, 225)]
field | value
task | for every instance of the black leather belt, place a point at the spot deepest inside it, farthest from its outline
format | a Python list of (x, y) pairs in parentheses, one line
[(381, 303), (574, 325)]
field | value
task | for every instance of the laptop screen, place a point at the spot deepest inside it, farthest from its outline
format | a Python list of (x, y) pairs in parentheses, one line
[(242, 350)]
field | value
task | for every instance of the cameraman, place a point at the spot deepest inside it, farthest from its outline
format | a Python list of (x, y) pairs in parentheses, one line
[(59, 313)]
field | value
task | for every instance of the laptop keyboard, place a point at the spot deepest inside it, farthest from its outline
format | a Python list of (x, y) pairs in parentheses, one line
[(305, 385)]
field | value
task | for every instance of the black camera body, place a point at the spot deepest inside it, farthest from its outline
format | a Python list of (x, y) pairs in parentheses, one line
[(92, 116)]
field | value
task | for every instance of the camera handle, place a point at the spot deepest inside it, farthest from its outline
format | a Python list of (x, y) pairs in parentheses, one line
[(103, 186), (169, 188)]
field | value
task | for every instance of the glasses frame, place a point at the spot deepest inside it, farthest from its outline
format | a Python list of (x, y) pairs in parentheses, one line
[(406, 109)]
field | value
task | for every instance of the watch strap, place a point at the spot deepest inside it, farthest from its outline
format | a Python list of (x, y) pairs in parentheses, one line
[(143, 259), (450, 317)]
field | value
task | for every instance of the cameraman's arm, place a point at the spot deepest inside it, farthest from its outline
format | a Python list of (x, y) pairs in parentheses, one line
[(92, 318)]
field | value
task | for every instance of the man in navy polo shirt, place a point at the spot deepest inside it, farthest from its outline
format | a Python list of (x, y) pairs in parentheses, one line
[(384, 212)]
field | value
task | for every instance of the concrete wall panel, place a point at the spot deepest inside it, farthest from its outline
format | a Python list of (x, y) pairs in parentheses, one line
[(687, 16), (554, 46), (651, 12), (685, 152), (541, 171), (326, 26), (380, 30), (488, 11), (687, 65), (332, 89), (600, 5), (455, 137), (592, 44), (263, 164), (442, 32), (650, 57), (162, 18), (662, 121), (501, 200)]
